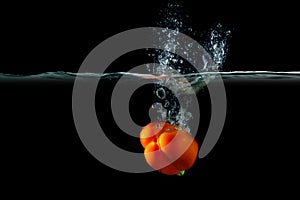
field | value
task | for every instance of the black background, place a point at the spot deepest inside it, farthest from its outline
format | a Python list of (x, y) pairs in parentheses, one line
[(257, 151), (57, 37)]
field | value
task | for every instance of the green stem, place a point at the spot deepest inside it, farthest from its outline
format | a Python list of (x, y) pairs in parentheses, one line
[(181, 173)]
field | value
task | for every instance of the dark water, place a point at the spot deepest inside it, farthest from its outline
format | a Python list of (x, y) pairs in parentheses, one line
[(258, 145)]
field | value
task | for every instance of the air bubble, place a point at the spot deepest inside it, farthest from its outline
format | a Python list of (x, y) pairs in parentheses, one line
[(166, 104), (160, 93)]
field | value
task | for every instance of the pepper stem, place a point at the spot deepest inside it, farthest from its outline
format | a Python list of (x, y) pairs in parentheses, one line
[(181, 173)]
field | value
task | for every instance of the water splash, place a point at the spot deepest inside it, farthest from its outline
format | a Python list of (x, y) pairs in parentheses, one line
[(172, 65), (218, 44), (167, 60)]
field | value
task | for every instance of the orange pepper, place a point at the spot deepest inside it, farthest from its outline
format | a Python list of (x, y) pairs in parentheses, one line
[(168, 149)]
